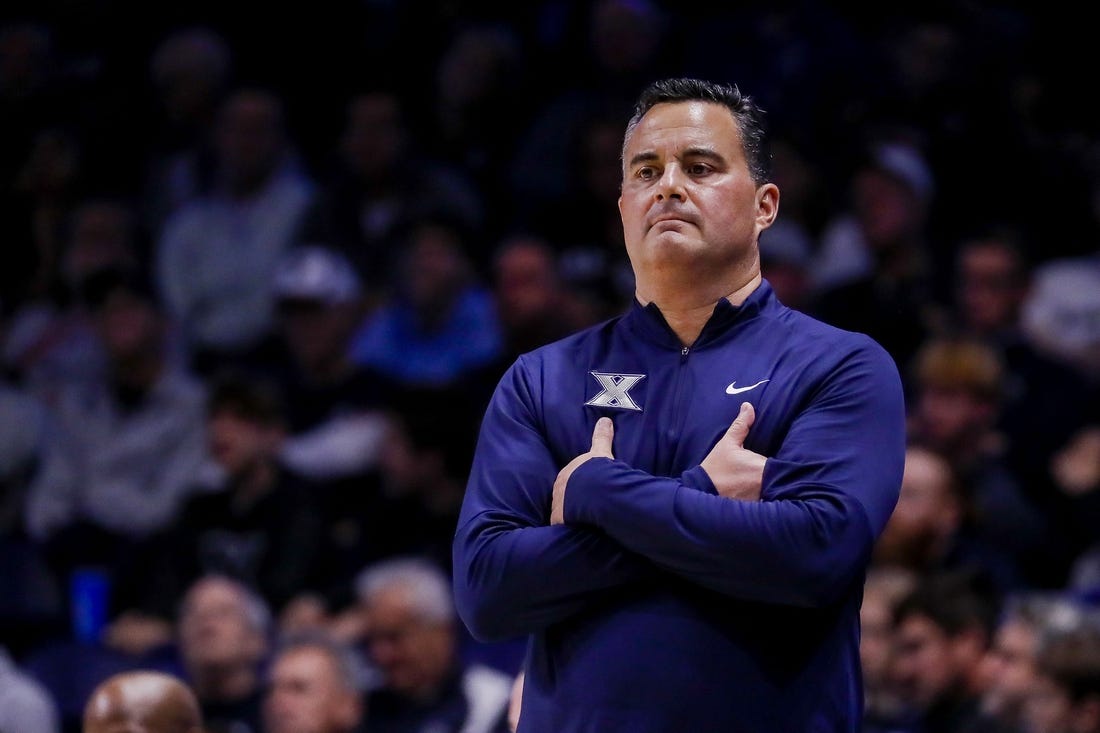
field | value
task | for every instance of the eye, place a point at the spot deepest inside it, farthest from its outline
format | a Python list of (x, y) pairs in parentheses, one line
[(646, 173), (698, 169)]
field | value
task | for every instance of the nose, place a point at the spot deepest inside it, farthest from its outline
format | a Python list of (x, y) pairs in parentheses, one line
[(671, 184)]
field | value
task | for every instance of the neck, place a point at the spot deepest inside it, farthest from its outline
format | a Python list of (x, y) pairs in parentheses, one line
[(138, 372), (687, 309)]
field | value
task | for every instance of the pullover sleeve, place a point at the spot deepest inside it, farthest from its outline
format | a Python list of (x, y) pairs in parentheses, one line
[(826, 497), (513, 573)]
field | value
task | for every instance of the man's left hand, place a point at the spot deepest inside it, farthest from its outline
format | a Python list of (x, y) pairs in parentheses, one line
[(602, 435)]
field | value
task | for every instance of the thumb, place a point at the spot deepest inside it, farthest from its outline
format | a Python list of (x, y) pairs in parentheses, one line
[(602, 435), (739, 429)]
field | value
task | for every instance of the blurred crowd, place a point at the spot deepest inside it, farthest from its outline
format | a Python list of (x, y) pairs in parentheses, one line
[(261, 273)]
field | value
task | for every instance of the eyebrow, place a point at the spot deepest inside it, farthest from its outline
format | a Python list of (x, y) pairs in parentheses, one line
[(693, 152)]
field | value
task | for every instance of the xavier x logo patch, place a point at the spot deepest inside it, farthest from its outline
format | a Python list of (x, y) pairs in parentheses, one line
[(615, 389)]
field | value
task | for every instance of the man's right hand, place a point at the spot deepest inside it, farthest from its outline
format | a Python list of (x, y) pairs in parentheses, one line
[(735, 471)]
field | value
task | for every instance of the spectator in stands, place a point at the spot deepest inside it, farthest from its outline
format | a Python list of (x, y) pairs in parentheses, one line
[(931, 529), (216, 256), (871, 267), (958, 393), (944, 627), (315, 685), (412, 638), (191, 70), (142, 701), (382, 181), (123, 453), (1045, 399), (1028, 621), (1065, 697), (261, 525), (52, 342), (883, 589), (334, 424), (223, 642), (441, 325)]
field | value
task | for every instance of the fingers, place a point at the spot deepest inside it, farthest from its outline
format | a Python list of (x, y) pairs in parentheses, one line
[(602, 436), (739, 429)]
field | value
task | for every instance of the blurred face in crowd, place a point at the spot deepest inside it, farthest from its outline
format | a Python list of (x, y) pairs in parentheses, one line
[(1047, 708), (926, 515), (308, 694), (239, 443), (889, 211), (926, 668), (215, 630), (413, 653), (374, 135), (318, 333), (249, 139), (1009, 668), (876, 641), (526, 283), (129, 325), (990, 286)]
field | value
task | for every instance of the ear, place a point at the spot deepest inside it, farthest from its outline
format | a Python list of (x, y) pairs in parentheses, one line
[(767, 205)]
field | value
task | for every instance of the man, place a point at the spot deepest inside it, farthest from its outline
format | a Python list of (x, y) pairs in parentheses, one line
[(313, 688), (683, 573), (944, 626), (223, 638), (142, 701), (412, 639)]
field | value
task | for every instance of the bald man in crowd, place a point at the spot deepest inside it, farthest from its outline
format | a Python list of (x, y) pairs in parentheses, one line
[(142, 702)]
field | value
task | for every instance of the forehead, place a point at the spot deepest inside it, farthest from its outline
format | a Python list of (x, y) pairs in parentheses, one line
[(671, 127)]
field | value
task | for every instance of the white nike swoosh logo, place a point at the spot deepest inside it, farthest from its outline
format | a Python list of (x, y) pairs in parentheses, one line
[(738, 390)]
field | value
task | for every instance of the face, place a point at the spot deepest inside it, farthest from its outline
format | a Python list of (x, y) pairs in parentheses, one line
[(1009, 668), (926, 511), (237, 443), (925, 667), (214, 627), (307, 695), (990, 287), (1048, 708), (249, 137), (689, 205), (128, 325), (876, 640), (413, 654)]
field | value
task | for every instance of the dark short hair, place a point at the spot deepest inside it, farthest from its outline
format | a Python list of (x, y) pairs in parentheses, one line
[(748, 116), (254, 398)]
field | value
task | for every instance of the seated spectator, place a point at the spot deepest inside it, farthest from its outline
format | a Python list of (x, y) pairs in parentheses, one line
[(1065, 697), (51, 342), (216, 255), (25, 705), (123, 453), (441, 325), (334, 422), (1010, 666), (383, 180), (223, 642), (958, 394), (261, 525), (412, 639), (883, 590), (943, 631), (930, 529), (1045, 399), (872, 268), (534, 304), (145, 701), (315, 685)]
